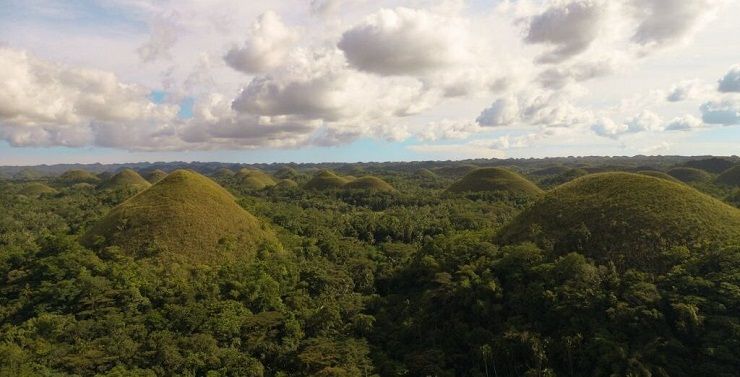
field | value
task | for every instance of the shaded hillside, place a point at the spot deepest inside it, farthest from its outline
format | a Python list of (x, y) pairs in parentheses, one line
[(623, 217)]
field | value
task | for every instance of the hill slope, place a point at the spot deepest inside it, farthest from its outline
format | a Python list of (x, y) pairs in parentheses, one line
[(155, 176), (689, 175), (369, 183), (623, 217), (187, 217), (35, 189), (254, 179), (495, 179), (713, 165), (730, 177), (71, 177), (127, 178), (325, 180), (658, 174)]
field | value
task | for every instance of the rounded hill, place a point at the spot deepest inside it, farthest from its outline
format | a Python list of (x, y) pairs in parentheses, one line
[(127, 179), (286, 183), (155, 176), (325, 180), (71, 177), (730, 177), (425, 173), (36, 189), (185, 218), (369, 183), (689, 175), (495, 179), (713, 165), (253, 179), (658, 174), (286, 172), (623, 217)]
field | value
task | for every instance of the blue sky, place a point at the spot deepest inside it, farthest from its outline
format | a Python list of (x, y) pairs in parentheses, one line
[(328, 80)]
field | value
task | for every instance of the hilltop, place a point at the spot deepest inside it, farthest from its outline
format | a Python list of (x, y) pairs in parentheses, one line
[(658, 174), (155, 176), (369, 183), (253, 179), (713, 165), (623, 217), (71, 177), (495, 179), (689, 175), (36, 189), (325, 180), (127, 179), (186, 217)]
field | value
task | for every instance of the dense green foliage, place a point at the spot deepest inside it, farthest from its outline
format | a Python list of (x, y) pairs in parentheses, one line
[(409, 282)]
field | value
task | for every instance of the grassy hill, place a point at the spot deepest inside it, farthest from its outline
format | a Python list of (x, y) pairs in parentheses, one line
[(658, 174), (155, 176), (286, 172), (369, 183), (564, 177), (36, 189), (455, 171), (186, 218), (223, 173), (286, 183), (424, 173), (495, 179), (253, 179), (126, 179), (325, 180), (730, 177), (713, 165), (71, 177), (689, 175), (623, 217)]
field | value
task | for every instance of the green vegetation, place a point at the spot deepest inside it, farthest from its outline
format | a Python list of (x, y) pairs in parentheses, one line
[(564, 177), (286, 183), (624, 218), (611, 274), (658, 174), (689, 175), (35, 189), (495, 179), (455, 171), (223, 174), (369, 183), (126, 179), (714, 165), (424, 173), (286, 172), (325, 180), (71, 177), (253, 179), (155, 176), (730, 177), (186, 217)]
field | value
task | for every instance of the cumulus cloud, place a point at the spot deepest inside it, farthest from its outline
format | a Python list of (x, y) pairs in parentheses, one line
[(405, 41), (730, 83), (559, 77), (665, 22), (537, 108), (569, 27), (725, 112), (267, 44), (645, 121), (447, 129), (684, 90), (684, 123)]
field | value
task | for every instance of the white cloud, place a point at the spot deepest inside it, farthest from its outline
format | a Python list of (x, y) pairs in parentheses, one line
[(534, 108), (730, 83), (405, 41), (684, 123), (685, 90), (268, 43)]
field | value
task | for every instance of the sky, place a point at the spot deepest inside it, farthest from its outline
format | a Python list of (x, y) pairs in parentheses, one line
[(366, 80)]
